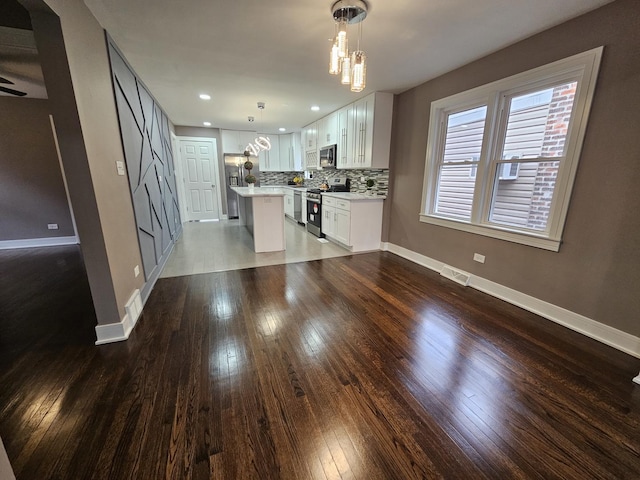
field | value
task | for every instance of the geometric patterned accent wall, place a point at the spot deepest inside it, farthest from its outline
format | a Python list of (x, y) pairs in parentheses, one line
[(146, 142)]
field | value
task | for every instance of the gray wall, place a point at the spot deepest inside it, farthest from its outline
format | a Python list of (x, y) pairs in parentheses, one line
[(32, 192), (596, 272), (148, 153), (76, 70)]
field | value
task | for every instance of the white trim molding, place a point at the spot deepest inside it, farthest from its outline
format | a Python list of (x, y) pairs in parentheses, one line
[(39, 242), (613, 337), (118, 332), (495, 99), (637, 379)]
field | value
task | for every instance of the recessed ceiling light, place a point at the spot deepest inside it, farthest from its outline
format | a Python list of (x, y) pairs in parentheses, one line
[(282, 129), (204, 96), (315, 108), (206, 124)]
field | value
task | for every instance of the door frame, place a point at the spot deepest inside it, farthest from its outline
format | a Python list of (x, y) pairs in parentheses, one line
[(181, 170)]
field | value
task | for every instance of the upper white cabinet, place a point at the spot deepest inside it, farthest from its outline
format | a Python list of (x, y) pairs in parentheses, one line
[(328, 130), (310, 150), (270, 159), (361, 130), (310, 137), (346, 136), (372, 116), (296, 145), (290, 153), (286, 153), (236, 141)]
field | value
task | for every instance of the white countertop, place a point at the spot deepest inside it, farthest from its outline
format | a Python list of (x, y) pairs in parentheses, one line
[(354, 196), (288, 187), (259, 191)]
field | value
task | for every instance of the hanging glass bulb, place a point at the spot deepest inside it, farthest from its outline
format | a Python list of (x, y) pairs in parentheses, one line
[(341, 39), (358, 71), (345, 79), (334, 59)]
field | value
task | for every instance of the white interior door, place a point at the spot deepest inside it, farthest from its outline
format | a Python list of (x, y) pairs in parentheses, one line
[(199, 166)]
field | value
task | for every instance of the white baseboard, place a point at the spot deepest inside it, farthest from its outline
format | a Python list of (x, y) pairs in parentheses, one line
[(613, 337), (637, 379), (39, 242), (118, 332)]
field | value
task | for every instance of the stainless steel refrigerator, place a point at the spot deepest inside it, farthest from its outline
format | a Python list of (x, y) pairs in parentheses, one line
[(234, 173)]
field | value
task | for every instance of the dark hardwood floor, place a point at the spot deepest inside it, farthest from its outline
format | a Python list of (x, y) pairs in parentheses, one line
[(366, 367)]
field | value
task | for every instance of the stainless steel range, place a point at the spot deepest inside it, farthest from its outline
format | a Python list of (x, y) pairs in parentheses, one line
[(314, 203)]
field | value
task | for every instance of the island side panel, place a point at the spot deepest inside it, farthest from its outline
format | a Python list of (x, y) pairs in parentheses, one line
[(268, 218), (366, 225)]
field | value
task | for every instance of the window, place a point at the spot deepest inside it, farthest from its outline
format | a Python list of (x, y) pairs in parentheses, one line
[(501, 158)]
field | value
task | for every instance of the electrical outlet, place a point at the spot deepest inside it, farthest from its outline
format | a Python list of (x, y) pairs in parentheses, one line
[(478, 258), (136, 270), (120, 167), (52, 226)]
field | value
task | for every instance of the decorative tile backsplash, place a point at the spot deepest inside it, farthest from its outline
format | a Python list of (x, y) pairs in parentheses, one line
[(380, 177)]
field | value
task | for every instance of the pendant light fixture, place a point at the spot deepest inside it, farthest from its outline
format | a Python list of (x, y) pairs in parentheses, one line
[(351, 66), (259, 143), (341, 39), (345, 78), (358, 67), (335, 62), (358, 71)]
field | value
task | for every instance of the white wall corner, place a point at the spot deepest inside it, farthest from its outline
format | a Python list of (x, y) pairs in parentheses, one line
[(637, 379), (118, 332), (613, 337)]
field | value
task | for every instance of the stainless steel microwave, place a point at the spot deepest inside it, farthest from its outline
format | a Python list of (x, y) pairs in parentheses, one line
[(328, 157)]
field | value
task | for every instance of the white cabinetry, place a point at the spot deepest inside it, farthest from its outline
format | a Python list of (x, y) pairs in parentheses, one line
[(336, 219), (328, 218), (304, 207), (270, 159), (286, 153), (372, 131), (356, 224), (296, 146), (364, 132), (328, 130), (290, 153), (310, 137), (310, 140), (289, 203), (346, 136), (235, 141)]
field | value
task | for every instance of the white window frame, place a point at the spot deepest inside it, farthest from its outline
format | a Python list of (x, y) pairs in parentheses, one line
[(582, 67)]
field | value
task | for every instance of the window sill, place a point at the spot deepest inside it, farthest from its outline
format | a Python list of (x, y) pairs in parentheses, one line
[(495, 232)]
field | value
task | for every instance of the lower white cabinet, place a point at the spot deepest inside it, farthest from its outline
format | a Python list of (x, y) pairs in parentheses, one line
[(328, 219), (304, 207), (356, 224), (289, 210)]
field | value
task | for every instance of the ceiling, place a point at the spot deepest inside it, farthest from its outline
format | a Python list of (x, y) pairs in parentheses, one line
[(245, 51), (19, 63)]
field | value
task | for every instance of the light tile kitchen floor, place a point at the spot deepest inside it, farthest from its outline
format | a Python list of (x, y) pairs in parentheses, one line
[(226, 245)]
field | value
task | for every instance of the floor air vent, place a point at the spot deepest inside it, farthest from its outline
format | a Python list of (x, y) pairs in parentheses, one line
[(456, 275)]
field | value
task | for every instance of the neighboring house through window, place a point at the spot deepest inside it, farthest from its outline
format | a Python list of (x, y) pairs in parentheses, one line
[(501, 158)]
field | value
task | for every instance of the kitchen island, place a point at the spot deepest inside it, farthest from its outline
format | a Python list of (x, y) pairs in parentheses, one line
[(261, 211)]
